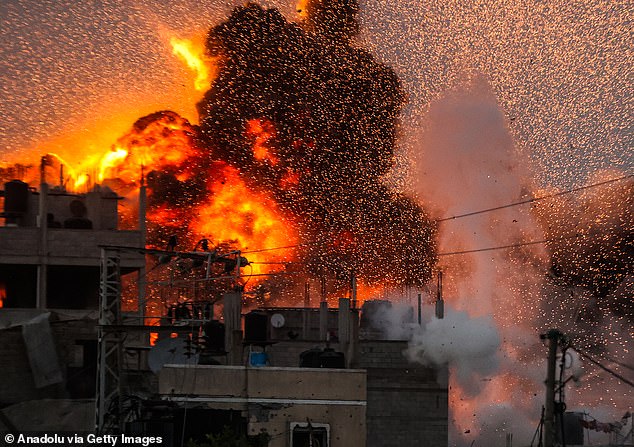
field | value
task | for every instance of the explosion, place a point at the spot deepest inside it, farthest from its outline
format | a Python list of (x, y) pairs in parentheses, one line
[(298, 130), (319, 117)]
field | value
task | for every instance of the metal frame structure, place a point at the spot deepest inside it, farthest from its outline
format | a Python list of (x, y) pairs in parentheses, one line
[(111, 331), (110, 349)]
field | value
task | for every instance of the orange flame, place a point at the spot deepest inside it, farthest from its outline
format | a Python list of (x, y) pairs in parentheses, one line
[(163, 143), (249, 219), (193, 54), (3, 294), (302, 9), (262, 131)]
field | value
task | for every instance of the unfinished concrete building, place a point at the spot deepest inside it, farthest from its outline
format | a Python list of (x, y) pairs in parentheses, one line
[(310, 365)]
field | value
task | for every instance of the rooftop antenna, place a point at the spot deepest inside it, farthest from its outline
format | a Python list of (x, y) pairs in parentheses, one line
[(440, 304)]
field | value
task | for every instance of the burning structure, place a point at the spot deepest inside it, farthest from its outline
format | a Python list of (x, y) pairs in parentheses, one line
[(297, 132)]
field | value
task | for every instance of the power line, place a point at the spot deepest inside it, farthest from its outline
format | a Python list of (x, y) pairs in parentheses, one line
[(605, 368), (519, 244), (535, 199), (630, 367), (274, 248), (523, 202)]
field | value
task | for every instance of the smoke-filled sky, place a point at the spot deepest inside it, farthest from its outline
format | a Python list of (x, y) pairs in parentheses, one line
[(562, 71), (553, 86)]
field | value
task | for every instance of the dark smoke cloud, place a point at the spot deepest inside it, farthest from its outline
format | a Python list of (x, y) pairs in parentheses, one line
[(593, 242), (332, 112)]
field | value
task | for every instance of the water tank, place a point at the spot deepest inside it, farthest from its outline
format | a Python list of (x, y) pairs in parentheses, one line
[(258, 359), (573, 430), (317, 358), (374, 313), (256, 325), (215, 336), (332, 359), (16, 198), (310, 358)]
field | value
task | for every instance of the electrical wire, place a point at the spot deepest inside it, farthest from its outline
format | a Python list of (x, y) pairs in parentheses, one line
[(487, 210), (611, 360), (276, 248), (605, 368), (535, 199), (519, 244)]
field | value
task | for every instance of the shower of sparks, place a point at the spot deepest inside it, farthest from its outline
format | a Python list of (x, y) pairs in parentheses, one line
[(562, 71), (73, 79)]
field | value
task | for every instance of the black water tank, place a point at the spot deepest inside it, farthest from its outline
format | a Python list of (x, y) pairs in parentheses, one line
[(573, 430), (215, 336), (16, 198), (331, 359), (256, 325), (310, 358)]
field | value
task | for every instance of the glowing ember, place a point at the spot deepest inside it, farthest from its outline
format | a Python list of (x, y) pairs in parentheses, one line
[(322, 146)]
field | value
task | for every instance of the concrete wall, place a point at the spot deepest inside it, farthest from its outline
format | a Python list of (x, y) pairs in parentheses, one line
[(16, 379), (19, 245), (272, 398), (407, 403)]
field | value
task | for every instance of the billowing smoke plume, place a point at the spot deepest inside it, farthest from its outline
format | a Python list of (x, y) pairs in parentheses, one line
[(302, 125), (309, 117), (469, 345), (578, 282)]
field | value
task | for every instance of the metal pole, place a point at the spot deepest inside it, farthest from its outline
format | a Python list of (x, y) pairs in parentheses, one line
[(110, 350), (549, 408), (141, 274), (420, 319), (440, 304)]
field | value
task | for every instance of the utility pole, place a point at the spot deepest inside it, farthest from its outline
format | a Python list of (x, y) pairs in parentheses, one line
[(553, 337)]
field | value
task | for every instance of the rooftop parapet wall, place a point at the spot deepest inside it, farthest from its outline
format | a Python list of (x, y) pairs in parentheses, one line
[(20, 245), (275, 399), (264, 382)]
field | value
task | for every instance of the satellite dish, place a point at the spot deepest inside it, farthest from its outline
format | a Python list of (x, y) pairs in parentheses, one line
[(277, 320), (170, 351)]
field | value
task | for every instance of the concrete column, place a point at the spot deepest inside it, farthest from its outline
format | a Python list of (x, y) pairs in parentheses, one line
[(323, 320), (306, 313), (352, 356), (344, 320), (232, 309), (42, 269), (141, 274)]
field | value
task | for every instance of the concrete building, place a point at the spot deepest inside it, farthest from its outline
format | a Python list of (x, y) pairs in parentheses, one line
[(401, 403), (50, 246), (49, 292), (294, 374), (290, 404)]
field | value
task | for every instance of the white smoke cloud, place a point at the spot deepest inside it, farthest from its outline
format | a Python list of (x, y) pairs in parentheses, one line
[(470, 346), (467, 161)]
